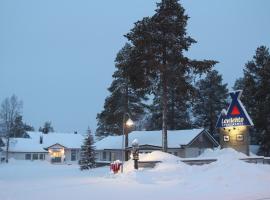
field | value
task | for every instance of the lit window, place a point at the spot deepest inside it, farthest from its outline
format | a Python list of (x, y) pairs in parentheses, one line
[(226, 138), (56, 154)]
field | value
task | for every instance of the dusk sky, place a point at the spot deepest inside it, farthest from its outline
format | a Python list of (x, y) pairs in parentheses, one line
[(58, 56)]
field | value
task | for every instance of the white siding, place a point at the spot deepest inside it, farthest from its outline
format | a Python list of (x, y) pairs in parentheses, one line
[(21, 155), (192, 152)]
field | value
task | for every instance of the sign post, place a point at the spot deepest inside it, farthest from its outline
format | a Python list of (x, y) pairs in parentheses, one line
[(233, 125)]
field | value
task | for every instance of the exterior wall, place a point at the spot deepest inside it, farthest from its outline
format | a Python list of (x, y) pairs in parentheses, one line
[(112, 155), (22, 155), (108, 155), (46, 156), (177, 152), (233, 141), (68, 157), (202, 142), (198, 145), (194, 149), (191, 152)]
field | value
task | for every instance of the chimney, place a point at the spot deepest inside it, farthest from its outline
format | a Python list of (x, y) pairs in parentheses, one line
[(41, 139)]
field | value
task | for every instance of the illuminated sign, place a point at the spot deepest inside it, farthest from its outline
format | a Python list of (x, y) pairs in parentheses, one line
[(236, 115)]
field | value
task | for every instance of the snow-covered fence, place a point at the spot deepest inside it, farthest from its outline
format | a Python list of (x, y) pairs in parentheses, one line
[(147, 164), (256, 160), (198, 161), (262, 160)]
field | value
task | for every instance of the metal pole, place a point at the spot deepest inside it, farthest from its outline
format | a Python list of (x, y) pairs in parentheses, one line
[(123, 145)]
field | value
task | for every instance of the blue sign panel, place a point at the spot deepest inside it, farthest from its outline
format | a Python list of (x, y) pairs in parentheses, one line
[(236, 115)]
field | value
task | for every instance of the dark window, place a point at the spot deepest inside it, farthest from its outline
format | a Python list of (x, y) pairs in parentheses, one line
[(35, 156), (73, 155), (41, 157), (240, 137), (56, 160), (175, 153), (104, 155), (28, 156)]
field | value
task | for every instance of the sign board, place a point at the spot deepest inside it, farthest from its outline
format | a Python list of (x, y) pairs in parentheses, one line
[(236, 115)]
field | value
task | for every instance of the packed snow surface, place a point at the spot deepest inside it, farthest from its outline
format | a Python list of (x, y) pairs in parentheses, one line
[(228, 178)]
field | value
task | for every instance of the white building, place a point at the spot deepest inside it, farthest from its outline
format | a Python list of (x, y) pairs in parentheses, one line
[(53, 147), (182, 143)]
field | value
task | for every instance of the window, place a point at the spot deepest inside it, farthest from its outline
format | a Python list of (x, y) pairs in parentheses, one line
[(28, 156), (112, 156), (104, 155), (226, 138), (175, 153), (56, 154), (35, 156), (41, 157), (73, 155), (240, 137)]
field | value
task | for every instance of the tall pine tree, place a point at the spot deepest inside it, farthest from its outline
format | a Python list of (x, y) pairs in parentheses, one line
[(123, 98), (19, 128), (178, 111), (159, 44), (87, 156), (256, 95), (47, 128), (211, 98)]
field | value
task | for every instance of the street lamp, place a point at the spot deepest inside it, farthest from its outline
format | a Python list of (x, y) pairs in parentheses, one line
[(126, 123)]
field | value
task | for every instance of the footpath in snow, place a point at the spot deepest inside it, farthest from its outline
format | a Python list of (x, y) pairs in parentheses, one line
[(228, 178)]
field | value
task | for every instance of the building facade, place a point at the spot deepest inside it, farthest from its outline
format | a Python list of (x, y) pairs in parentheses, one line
[(51, 147), (182, 143)]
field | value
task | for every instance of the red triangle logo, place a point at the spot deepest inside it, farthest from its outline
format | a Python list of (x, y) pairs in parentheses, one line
[(235, 111)]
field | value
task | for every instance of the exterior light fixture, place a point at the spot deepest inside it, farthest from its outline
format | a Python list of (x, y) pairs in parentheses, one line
[(129, 122)]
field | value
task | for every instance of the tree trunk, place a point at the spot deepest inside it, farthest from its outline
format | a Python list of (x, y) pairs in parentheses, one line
[(172, 127), (125, 120), (7, 149), (164, 112)]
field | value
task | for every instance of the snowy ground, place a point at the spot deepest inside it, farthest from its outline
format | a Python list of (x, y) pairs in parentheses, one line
[(228, 178)]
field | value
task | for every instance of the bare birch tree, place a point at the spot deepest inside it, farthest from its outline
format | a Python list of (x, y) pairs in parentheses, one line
[(10, 109)]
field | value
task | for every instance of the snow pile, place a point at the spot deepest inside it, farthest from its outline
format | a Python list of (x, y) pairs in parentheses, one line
[(228, 178), (167, 160), (159, 156), (222, 154)]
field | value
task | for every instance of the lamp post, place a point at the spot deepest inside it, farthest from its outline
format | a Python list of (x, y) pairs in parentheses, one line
[(135, 152), (126, 123)]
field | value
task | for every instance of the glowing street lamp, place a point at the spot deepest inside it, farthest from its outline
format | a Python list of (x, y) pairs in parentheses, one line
[(129, 123)]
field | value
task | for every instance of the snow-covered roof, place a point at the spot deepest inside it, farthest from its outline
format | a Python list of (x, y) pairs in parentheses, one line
[(68, 140), (176, 138), (32, 144)]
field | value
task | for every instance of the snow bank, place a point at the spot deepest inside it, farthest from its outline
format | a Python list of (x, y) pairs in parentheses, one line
[(166, 159), (221, 154), (228, 178), (159, 156)]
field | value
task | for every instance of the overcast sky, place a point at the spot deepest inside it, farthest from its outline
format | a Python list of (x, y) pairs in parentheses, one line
[(58, 56)]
